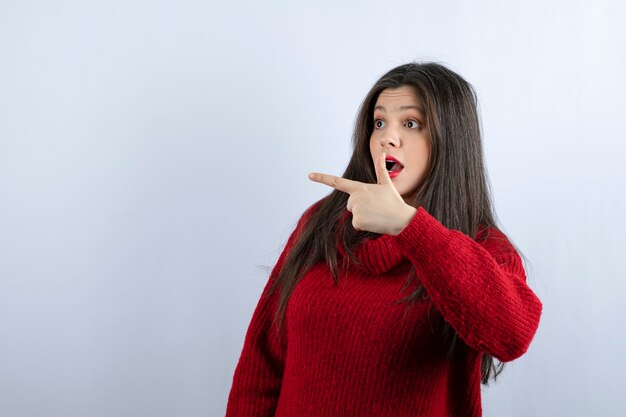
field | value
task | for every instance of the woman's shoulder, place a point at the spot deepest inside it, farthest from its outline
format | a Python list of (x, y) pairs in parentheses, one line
[(310, 210), (485, 232), (305, 216), (495, 241)]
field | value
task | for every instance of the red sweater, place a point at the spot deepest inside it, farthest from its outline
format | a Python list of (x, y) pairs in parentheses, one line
[(350, 350)]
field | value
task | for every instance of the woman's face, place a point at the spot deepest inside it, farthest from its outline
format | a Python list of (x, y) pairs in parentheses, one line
[(400, 131)]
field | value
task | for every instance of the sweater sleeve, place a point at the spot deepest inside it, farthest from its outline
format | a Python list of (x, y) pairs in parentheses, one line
[(257, 379), (479, 287)]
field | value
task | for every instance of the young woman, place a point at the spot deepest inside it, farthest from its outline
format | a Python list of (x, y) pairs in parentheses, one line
[(395, 293)]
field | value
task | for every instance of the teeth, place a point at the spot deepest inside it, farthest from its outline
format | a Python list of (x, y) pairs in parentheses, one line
[(393, 166)]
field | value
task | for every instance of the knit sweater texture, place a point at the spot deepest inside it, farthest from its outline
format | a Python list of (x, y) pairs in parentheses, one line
[(352, 350)]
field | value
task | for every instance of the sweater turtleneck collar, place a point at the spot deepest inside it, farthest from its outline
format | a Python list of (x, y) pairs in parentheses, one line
[(376, 255)]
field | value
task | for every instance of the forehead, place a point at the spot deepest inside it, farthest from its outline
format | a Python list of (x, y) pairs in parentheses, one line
[(398, 99)]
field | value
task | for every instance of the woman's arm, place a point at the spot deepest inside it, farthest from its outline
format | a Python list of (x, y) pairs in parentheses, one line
[(258, 376), (479, 287)]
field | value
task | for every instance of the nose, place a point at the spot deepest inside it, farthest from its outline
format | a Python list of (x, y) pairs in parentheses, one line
[(390, 141)]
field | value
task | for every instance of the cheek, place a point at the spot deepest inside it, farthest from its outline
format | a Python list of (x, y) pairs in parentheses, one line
[(426, 155), (422, 153), (417, 163)]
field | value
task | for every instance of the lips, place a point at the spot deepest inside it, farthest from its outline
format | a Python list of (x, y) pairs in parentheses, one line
[(393, 166)]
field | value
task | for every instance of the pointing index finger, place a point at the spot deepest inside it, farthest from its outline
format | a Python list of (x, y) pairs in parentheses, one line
[(338, 183)]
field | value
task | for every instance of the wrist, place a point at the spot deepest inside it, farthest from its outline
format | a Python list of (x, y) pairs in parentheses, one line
[(406, 216)]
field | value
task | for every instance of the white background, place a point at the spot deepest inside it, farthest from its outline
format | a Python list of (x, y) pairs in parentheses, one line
[(154, 156)]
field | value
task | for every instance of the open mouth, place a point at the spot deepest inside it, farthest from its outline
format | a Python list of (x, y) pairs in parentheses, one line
[(393, 166)]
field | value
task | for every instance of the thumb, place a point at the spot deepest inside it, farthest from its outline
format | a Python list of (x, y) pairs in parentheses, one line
[(382, 175)]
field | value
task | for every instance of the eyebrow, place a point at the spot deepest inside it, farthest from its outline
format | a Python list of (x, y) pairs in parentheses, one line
[(402, 108)]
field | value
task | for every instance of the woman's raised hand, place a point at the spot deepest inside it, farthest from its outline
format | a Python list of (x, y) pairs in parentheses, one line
[(377, 208)]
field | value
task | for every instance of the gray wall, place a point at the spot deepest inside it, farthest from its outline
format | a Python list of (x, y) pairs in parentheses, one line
[(153, 157)]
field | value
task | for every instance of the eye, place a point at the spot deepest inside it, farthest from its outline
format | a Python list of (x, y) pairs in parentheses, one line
[(413, 124), (378, 123)]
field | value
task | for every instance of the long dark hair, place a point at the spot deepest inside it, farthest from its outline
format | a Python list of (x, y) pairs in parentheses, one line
[(455, 190)]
